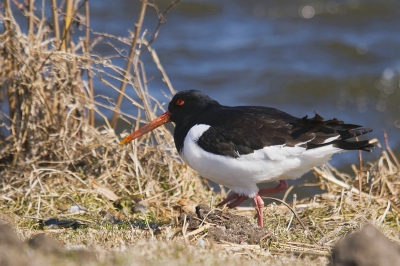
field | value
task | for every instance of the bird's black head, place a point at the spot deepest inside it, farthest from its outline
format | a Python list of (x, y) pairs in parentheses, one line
[(184, 109), (188, 105)]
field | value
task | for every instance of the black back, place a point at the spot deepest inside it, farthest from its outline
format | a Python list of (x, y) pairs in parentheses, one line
[(240, 130)]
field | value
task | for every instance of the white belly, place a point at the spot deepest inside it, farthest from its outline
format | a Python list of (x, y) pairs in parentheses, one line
[(242, 174)]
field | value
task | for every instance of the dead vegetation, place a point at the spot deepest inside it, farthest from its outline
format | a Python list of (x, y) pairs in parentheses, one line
[(65, 177), (49, 139)]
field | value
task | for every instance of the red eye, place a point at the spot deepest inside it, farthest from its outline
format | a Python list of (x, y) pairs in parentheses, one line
[(179, 102)]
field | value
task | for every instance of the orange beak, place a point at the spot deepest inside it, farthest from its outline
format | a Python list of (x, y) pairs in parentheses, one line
[(161, 120)]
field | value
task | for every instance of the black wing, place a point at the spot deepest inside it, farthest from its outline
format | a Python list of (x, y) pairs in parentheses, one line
[(237, 131)]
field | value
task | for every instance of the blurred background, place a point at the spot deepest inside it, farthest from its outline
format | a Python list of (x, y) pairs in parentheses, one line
[(337, 58)]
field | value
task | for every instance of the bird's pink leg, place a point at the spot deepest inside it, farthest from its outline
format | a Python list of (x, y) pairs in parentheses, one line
[(259, 203), (228, 199), (283, 185), (237, 202), (238, 199), (259, 206)]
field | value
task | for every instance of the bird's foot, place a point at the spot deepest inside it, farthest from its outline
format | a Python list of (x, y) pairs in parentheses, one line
[(237, 200)]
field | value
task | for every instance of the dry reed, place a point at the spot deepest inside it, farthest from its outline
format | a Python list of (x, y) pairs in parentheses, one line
[(49, 146)]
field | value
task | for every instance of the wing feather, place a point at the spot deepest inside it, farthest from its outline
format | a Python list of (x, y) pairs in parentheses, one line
[(242, 130)]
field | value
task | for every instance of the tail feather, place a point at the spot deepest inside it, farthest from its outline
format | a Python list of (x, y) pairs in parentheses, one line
[(347, 134), (332, 132), (363, 145), (345, 144)]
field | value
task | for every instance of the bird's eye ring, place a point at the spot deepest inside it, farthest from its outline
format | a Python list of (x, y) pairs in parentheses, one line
[(179, 102)]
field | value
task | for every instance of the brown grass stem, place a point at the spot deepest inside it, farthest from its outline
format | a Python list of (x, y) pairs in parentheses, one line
[(306, 229), (31, 6), (161, 20), (387, 146), (87, 52), (360, 176), (129, 62), (66, 37), (56, 27)]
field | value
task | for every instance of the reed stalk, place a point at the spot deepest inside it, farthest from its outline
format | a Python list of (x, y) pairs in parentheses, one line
[(69, 5), (56, 27), (129, 62)]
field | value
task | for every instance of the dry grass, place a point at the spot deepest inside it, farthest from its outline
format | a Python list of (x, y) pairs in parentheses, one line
[(52, 158), (49, 140)]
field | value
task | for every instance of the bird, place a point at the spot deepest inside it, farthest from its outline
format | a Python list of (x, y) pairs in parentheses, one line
[(242, 146)]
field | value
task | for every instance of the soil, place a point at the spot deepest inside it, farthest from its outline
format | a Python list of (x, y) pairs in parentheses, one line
[(225, 226)]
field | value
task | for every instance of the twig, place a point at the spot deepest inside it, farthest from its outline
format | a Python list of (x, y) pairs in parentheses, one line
[(158, 195), (339, 183), (148, 225), (287, 193), (184, 228), (360, 176), (382, 218), (69, 4), (30, 19), (87, 50), (56, 27), (161, 20), (390, 150), (162, 70), (38, 206), (297, 216), (198, 230), (129, 62)]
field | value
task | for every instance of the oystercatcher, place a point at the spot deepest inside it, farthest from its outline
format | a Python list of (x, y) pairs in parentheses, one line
[(240, 147)]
